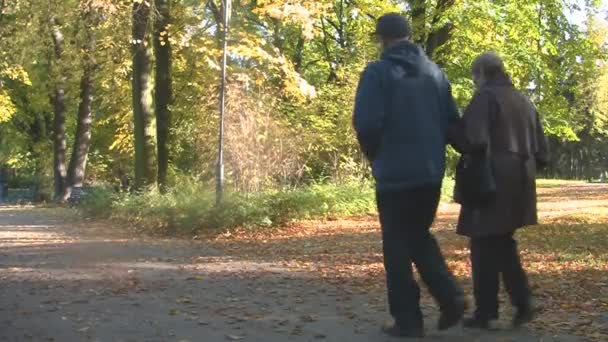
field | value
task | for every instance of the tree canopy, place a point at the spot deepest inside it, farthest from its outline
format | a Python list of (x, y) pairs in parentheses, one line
[(144, 76)]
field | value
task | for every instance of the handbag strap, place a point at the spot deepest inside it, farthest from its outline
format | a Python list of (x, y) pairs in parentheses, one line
[(491, 122)]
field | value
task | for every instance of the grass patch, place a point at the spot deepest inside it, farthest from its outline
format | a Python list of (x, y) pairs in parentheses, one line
[(557, 183), (582, 242), (190, 208)]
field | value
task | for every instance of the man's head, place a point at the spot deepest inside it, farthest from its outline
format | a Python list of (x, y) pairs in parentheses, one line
[(391, 29), (487, 67)]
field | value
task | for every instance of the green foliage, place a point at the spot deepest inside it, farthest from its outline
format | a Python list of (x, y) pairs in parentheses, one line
[(292, 73), (7, 108)]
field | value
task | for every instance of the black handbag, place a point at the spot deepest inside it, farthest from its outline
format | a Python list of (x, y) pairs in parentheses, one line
[(475, 182)]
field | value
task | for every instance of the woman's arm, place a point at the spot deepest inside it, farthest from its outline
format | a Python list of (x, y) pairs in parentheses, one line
[(476, 121)]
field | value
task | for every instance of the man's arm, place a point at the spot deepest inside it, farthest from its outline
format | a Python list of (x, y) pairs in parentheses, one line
[(542, 147), (368, 118), (451, 107)]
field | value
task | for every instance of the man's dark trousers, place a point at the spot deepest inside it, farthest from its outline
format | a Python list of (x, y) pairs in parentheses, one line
[(490, 257), (406, 217)]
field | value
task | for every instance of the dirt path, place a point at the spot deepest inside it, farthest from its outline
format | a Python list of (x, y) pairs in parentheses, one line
[(63, 281)]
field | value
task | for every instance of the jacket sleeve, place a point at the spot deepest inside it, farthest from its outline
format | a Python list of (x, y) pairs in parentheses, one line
[(451, 108), (455, 127), (476, 121), (541, 152), (369, 113)]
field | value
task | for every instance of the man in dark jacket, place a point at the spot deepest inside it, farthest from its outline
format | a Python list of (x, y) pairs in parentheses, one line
[(403, 109)]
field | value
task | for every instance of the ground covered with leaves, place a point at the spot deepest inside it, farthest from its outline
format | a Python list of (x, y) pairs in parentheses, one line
[(70, 280), (566, 256)]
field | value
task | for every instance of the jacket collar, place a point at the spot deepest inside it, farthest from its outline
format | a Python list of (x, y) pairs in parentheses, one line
[(501, 81), (402, 49), (407, 55)]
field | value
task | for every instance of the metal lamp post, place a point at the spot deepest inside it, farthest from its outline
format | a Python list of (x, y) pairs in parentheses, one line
[(219, 172)]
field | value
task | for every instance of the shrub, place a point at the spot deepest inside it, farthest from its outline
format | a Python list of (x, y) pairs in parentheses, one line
[(190, 208)]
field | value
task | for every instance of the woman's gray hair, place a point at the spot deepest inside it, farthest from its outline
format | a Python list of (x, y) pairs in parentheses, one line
[(488, 64)]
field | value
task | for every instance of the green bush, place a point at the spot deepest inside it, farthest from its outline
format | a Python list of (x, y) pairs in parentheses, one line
[(21, 181), (447, 192), (190, 207), (98, 202)]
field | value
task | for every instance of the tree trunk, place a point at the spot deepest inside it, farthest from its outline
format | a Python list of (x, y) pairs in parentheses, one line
[(142, 112), (162, 91), (418, 14), (58, 100), (437, 39), (82, 140), (422, 20)]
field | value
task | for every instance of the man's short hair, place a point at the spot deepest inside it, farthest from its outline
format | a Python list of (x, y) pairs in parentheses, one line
[(489, 64), (393, 26)]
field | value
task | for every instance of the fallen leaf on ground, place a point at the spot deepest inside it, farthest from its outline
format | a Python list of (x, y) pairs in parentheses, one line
[(310, 318)]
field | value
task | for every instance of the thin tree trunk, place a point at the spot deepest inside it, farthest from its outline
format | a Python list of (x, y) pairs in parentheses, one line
[(142, 112), (82, 140), (163, 88), (2, 4), (38, 131), (299, 55), (58, 99), (333, 76)]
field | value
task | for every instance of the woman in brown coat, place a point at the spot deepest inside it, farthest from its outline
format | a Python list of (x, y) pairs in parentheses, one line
[(502, 122)]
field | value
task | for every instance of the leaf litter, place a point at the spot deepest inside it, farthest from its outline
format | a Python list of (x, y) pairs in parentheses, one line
[(566, 257)]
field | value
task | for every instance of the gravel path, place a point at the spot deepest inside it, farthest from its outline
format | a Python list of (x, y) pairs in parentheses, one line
[(68, 281)]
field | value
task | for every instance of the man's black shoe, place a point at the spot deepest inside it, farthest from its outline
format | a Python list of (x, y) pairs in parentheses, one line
[(524, 315), (477, 322), (393, 330)]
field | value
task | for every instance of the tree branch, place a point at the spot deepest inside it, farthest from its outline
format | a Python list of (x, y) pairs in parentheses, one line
[(215, 10)]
